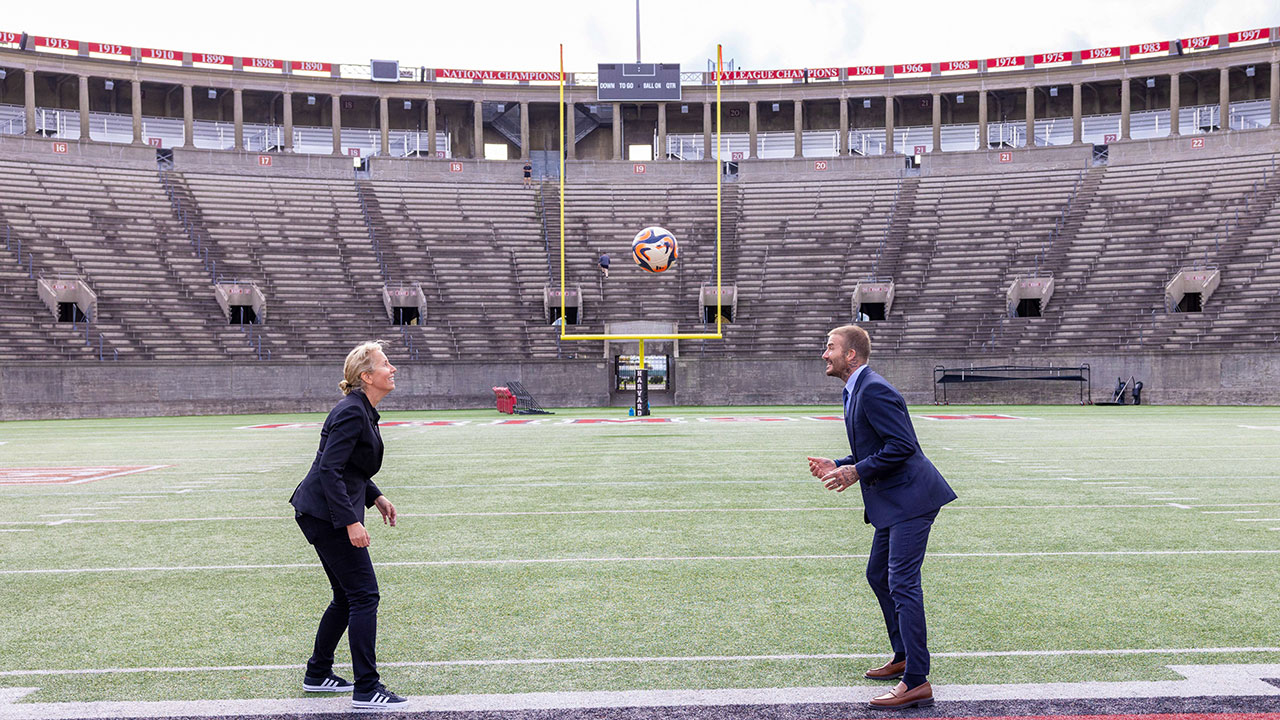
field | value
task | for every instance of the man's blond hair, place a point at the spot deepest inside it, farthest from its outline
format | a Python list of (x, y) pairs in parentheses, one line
[(854, 338)]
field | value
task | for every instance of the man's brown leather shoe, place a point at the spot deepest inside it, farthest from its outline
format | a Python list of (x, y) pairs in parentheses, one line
[(889, 671), (900, 697)]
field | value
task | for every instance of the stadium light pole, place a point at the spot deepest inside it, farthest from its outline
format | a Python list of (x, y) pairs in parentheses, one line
[(637, 32)]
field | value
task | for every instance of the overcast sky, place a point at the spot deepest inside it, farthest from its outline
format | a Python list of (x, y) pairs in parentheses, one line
[(524, 35)]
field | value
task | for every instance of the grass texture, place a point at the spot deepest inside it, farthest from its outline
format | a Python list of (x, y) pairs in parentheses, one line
[(640, 546)]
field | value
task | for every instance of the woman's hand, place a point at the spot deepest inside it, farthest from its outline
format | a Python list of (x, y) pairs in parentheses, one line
[(358, 535), (387, 509)]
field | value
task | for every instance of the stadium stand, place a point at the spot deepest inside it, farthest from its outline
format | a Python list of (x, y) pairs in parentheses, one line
[(322, 250), (833, 198)]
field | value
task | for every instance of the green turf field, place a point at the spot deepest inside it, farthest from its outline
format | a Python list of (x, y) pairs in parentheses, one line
[(670, 542)]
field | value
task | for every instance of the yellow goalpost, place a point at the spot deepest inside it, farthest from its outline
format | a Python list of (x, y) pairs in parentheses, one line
[(718, 334)]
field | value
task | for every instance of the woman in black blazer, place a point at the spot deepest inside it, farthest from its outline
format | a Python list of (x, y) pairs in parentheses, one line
[(329, 506)]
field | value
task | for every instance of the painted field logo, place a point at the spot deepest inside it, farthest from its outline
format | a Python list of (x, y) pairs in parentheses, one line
[(68, 475)]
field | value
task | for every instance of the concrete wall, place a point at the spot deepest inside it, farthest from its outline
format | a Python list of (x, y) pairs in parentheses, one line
[(38, 390)]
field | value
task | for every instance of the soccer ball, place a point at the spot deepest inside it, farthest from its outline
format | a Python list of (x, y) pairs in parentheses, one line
[(654, 249)]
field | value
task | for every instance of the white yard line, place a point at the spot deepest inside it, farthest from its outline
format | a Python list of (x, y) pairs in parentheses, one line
[(637, 559), (1230, 512), (611, 511)]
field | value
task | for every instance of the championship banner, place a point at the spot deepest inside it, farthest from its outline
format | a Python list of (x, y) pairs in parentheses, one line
[(311, 67), (912, 68), (1052, 58), (211, 59), (52, 43), (958, 66), (1006, 63), (109, 49), (1149, 48), (1103, 53), (1203, 42), (1245, 36), (826, 73), (507, 75), (865, 71), (159, 55), (254, 63)]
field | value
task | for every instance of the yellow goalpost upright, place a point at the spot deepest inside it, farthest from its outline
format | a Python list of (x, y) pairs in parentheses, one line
[(718, 334)]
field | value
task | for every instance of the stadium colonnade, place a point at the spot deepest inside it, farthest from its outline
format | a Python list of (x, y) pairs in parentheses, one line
[(953, 181)]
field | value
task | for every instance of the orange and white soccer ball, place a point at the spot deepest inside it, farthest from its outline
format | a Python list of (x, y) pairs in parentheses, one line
[(654, 249)]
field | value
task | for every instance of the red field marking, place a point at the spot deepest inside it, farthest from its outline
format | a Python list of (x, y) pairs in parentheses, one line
[(1160, 716), (1155, 716), (68, 475), (389, 423), (973, 417), (589, 421), (746, 418)]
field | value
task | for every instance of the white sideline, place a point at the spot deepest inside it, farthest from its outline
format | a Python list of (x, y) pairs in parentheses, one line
[(637, 559), (1198, 681), (621, 659)]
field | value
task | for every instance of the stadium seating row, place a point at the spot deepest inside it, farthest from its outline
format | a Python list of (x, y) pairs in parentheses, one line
[(152, 243)]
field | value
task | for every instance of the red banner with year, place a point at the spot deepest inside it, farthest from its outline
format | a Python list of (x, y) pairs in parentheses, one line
[(862, 71), (109, 49)]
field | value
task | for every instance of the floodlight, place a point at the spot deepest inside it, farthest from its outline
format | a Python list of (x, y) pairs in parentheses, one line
[(1151, 82), (866, 104), (1249, 71), (960, 99), (1053, 92), (311, 99), (408, 105), (109, 84), (775, 107), (213, 94)]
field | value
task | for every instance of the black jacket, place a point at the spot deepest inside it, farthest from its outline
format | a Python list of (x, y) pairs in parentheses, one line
[(339, 486)]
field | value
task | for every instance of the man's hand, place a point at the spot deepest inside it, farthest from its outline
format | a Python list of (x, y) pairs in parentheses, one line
[(841, 478), (819, 467), (358, 535), (387, 509)]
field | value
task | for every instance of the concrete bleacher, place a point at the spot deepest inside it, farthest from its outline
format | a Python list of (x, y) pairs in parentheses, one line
[(112, 228), (322, 250)]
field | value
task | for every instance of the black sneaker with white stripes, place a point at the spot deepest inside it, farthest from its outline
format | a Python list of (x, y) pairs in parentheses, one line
[(380, 699), (332, 683)]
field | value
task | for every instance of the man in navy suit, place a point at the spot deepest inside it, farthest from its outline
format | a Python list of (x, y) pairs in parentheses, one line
[(901, 495)]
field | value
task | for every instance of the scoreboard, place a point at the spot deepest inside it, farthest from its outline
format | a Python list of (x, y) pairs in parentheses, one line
[(626, 82)]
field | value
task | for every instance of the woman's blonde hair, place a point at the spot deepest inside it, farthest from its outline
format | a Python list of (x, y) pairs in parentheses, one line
[(359, 361)]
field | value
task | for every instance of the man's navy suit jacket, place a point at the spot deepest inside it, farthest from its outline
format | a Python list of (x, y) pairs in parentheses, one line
[(339, 486), (898, 482)]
